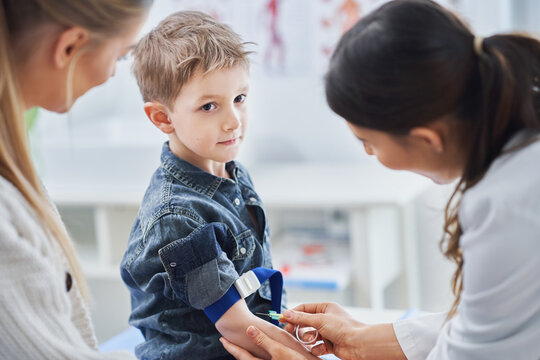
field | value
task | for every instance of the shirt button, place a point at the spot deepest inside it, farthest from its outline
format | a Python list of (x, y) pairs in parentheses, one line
[(237, 201), (173, 264), (69, 281), (253, 199), (243, 251)]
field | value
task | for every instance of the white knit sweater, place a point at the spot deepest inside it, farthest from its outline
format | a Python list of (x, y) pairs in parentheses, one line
[(39, 318)]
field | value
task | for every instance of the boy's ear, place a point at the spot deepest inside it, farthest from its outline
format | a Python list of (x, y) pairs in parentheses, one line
[(69, 43), (428, 136), (159, 116)]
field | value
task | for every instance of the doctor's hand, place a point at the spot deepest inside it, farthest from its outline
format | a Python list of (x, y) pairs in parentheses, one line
[(342, 335), (336, 328), (276, 350)]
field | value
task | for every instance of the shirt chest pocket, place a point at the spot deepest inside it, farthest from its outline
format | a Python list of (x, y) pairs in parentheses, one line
[(245, 245)]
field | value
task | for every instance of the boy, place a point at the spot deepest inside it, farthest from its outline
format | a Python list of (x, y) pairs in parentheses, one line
[(201, 224)]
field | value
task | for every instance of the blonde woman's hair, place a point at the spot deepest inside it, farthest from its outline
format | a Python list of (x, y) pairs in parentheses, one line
[(18, 18), (181, 44)]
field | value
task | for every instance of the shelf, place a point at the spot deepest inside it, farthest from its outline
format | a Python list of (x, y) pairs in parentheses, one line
[(342, 186)]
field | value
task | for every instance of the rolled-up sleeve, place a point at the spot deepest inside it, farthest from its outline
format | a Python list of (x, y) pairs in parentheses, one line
[(199, 270)]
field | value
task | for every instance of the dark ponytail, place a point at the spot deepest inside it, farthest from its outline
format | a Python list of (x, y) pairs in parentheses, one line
[(506, 88), (411, 62), (509, 97)]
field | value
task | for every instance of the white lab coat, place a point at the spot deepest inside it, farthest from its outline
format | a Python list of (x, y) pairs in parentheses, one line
[(499, 312)]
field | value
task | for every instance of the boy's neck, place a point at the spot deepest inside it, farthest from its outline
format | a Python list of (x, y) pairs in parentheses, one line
[(219, 170), (215, 168)]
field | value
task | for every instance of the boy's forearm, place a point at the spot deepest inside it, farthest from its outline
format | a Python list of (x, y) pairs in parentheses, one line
[(233, 324)]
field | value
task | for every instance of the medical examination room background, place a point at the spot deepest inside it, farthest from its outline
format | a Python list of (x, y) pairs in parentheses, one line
[(343, 228)]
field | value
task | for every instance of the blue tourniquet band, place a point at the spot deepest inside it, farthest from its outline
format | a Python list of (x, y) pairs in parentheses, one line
[(220, 307), (276, 286)]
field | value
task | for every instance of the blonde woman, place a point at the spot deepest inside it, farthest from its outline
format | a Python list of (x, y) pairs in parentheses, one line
[(51, 52)]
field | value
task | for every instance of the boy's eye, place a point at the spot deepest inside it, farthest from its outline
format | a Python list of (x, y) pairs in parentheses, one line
[(208, 107), (240, 98)]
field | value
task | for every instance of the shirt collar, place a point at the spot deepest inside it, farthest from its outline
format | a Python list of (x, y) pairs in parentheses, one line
[(192, 176), (523, 137)]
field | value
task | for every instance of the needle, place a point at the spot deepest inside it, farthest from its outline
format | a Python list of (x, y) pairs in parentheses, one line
[(274, 315)]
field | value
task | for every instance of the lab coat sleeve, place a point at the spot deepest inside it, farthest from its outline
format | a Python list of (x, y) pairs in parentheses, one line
[(417, 336)]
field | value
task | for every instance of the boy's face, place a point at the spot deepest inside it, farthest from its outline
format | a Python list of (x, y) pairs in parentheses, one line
[(209, 117)]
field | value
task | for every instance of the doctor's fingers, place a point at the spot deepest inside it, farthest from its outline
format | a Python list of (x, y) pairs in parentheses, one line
[(330, 327), (321, 308), (329, 308)]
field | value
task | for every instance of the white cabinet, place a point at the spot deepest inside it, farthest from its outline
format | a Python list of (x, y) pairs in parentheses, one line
[(375, 201), (100, 230)]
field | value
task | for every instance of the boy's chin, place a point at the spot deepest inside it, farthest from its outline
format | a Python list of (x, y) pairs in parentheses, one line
[(230, 156), (227, 159), (224, 159)]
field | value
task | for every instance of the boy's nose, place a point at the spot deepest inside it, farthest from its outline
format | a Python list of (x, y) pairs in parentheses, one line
[(233, 120)]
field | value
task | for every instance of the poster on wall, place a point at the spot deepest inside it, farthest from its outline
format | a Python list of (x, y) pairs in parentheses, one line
[(288, 37)]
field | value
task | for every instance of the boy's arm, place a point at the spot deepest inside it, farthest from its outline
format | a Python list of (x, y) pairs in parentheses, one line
[(233, 324)]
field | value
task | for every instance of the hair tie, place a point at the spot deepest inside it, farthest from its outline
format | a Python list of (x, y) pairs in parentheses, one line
[(479, 45)]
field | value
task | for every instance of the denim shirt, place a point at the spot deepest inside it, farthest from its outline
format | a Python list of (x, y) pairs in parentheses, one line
[(192, 238)]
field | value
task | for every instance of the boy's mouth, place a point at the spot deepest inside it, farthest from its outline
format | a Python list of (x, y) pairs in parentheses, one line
[(228, 142)]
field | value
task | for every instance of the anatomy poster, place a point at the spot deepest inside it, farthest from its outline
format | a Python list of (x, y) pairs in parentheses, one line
[(289, 37)]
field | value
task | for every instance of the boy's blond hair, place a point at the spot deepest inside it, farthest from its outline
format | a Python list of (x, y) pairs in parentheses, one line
[(182, 44)]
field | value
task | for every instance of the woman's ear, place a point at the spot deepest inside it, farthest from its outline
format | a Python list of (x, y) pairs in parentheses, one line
[(70, 42), (428, 136), (159, 116)]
